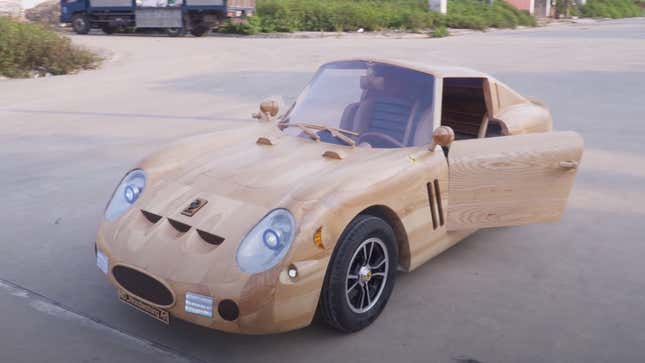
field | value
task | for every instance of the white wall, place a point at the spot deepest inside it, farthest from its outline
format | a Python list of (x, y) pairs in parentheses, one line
[(440, 6)]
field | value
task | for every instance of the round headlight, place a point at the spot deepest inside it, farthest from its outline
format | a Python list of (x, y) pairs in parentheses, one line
[(267, 243), (271, 239), (128, 191)]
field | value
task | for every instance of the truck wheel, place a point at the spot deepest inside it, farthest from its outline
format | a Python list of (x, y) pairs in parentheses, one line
[(176, 32), (199, 30), (360, 276), (109, 29), (81, 24)]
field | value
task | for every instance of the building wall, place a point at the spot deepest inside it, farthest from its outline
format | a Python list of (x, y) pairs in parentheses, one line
[(542, 8), (522, 4), (11, 8)]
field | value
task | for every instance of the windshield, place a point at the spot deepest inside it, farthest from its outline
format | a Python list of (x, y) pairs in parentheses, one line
[(374, 104)]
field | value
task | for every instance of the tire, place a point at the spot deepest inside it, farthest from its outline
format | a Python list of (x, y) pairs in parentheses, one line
[(175, 32), (199, 30), (109, 29), (81, 24), (340, 305)]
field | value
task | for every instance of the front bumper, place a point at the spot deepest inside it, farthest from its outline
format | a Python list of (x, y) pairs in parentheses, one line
[(267, 302)]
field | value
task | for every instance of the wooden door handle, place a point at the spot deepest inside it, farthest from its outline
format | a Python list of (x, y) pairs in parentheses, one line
[(569, 164)]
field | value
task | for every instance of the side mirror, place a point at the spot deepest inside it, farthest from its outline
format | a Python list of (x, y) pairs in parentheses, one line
[(442, 136), (269, 109)]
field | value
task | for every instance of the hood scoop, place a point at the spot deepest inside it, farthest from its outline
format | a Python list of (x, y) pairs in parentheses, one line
[(210, 238), (264, 140), (334, 155), (180, 227), (151, 217)]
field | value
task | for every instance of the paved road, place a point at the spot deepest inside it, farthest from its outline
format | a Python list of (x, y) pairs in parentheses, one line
[(567, 292)]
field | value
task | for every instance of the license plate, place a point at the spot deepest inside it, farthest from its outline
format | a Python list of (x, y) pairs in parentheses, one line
[(159, 314)]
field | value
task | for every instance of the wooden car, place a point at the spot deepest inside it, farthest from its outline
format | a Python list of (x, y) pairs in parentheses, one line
[(378, 166)]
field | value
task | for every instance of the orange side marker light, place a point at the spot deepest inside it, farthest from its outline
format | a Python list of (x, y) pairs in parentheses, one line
[(318, 241)]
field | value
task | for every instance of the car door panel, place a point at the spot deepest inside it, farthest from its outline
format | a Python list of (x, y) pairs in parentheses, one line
[(425, 220), (511, 180)]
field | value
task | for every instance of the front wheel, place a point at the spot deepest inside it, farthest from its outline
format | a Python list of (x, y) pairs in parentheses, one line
[(175, 32), (81, 24), (361, 275)]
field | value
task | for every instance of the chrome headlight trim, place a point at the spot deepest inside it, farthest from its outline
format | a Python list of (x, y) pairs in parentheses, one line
[(126, 194), (266, 244)]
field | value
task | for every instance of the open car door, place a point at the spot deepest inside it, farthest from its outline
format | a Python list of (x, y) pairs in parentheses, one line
[(511, 180)]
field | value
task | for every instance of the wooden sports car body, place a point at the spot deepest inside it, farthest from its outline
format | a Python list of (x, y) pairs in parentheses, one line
[(174, 247)]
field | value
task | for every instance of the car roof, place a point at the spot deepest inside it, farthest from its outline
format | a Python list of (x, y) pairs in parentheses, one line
[(433, 69)]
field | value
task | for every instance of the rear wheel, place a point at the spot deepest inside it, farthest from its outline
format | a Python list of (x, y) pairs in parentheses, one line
[(199, 30), (109, 29), (360, 276), (81, 24)]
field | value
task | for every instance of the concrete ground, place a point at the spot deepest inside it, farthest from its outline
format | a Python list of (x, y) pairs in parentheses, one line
[(572, 291)]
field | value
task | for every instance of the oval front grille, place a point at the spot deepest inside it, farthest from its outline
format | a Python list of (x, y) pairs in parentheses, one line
[(141, 285)]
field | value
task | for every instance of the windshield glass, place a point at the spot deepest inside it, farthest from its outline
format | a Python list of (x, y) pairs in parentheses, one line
[(384, 106)]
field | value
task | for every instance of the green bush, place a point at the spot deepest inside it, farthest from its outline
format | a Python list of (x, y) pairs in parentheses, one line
[(351, 15), (611, 9), (27, 48), (477, 14), (440, 32), (247, 28)]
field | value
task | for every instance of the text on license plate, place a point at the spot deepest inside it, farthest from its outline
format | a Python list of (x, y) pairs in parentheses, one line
[(146, 308)]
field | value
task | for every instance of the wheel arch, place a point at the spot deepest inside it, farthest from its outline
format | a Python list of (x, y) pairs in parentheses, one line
[(332, 313), (391, 218)]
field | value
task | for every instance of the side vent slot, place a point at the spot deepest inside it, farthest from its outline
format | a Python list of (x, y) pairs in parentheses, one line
[(439, 204), (151, 217), (210, 238), (436, 207), (433, 212), (181, 227)]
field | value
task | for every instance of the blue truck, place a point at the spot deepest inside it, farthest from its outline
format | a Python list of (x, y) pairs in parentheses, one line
[(175, 17)]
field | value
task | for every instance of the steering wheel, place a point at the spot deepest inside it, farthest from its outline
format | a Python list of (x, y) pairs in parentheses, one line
[(379, 135)]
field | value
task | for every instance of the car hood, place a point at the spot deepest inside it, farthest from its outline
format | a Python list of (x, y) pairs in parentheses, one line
[(234, 166)]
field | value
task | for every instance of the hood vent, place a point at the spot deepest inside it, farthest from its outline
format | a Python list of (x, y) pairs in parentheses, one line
[(180, 227), (151, 217), (210, 238)]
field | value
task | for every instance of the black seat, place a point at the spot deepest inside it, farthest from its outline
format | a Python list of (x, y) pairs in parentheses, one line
[(390, 116)]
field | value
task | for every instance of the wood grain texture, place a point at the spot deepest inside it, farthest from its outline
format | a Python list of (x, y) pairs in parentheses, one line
[(242, 181), (511, 180), (245, 173), (525, 118)]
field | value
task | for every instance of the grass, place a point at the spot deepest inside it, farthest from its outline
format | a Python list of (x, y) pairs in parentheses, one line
[(611, 9), (27, 49), (440, 32), (476, 14), (373, 15)]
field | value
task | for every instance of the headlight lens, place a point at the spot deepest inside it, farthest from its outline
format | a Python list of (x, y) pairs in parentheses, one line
[(267, 243), (126, 194)]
